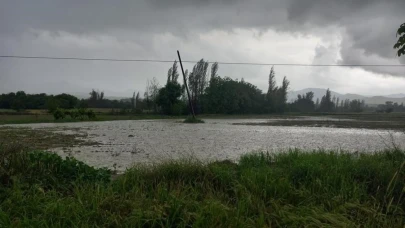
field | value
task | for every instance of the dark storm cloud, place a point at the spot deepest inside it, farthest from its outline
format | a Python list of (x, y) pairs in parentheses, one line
[(368, 26)]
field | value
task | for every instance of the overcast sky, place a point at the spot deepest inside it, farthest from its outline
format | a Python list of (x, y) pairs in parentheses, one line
[(276, 31)]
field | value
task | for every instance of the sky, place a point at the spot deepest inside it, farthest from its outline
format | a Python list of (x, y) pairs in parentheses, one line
[(259, 31)]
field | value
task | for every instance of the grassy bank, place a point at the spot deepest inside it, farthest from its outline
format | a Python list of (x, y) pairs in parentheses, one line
[(47, 118), (316, 189)]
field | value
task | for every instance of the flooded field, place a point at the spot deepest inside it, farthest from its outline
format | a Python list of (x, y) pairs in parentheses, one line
[(120, 144)]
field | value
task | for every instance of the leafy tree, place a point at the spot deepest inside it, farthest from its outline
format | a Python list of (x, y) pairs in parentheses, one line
[(272, 82), (272, 91), (173, 74), (19, 101), (197, 82), (282, 95), (326, 104), (317, 103), (168, 98), (400, 45), (228, 96), (304, 103), (214, 70), (67, 101)]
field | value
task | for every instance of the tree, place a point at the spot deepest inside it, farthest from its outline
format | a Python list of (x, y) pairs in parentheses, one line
[(19, 101), (400, 45), (214, 70), (168, 98), (67, 101), (272, 82), (228, 96), (137, 101), (304, 103), (326, 104), (133, 101), (151, 94), (172, 73), (281, 95), (52, 104), (272, 91), (197, 82)]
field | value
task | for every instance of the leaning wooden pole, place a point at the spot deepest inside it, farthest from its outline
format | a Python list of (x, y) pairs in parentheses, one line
[(185, 83)]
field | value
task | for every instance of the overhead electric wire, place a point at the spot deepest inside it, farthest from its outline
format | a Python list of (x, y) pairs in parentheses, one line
[(190, 61)]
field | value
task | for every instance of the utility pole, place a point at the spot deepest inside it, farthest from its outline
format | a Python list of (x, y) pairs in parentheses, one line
[(185, 83)]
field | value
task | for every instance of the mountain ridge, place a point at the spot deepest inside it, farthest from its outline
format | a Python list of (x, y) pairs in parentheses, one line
[(370, 100)]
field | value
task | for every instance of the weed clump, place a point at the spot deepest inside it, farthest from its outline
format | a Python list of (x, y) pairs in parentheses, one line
[(46, 170)]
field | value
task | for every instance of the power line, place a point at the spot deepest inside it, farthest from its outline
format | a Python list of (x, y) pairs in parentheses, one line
[(189, 61)]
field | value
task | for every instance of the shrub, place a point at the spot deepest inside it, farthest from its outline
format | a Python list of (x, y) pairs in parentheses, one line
[(59, 114), (46, 169), (74, 114), (91, 115)]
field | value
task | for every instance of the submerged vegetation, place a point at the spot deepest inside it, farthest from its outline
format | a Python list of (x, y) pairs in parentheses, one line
[(191, 119), (43, 139), (74, 114), (297, 188)]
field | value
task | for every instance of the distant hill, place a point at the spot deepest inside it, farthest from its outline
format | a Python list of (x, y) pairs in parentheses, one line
[(370, 100), (397, 95)]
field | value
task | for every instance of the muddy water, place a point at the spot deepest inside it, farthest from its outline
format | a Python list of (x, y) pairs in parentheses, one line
[(124, 143)]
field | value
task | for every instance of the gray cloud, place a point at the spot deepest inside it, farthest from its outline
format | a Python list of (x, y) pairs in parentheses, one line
[(367, 27), (370, 24)]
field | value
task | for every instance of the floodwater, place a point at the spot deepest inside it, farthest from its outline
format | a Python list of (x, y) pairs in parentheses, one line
[(124, 143)]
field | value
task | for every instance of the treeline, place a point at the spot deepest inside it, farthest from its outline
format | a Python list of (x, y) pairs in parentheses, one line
[(390, 106), (209, 94), (21, 101), (305, 103), (212, 94)]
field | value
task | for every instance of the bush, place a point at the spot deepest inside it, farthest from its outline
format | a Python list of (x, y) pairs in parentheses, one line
[(91, 115), (45, 169), (59, 114), (74, 114)]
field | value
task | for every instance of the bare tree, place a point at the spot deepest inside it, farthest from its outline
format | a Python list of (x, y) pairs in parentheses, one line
[(151, 93), (133, 101)]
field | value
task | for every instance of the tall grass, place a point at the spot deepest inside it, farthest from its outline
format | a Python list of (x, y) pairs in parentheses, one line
[(298, 188)]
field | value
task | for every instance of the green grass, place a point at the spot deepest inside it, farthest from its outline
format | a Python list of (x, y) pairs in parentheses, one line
[(317, 189), (191, 119)]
